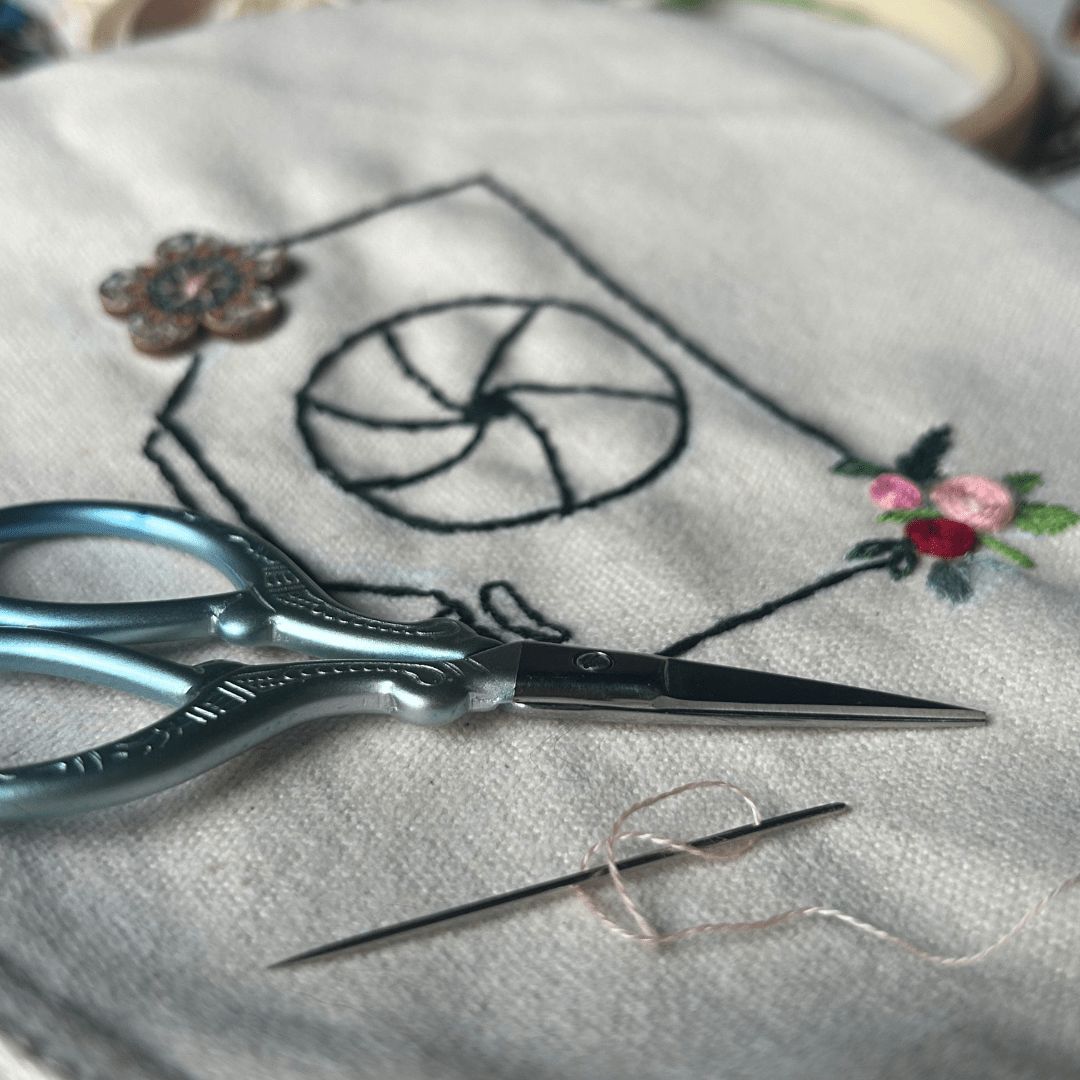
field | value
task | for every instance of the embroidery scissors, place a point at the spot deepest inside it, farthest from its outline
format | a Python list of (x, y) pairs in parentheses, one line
[(428, 672)]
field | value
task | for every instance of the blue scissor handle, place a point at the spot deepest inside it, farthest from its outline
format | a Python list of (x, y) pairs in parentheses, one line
[(276, 602), (220, 709)]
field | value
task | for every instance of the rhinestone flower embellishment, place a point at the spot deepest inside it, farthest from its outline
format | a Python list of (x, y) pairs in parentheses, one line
[(196, 283), (950, 518)]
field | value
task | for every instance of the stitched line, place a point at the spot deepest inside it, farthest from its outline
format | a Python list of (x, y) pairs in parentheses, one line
[(593, 269), (391, 482), (487, 405), (566, 492), (731, 622), (379, 423), (366, 213), (544, 630), (502, 347), (168, 473), (402, 361), (186, 498), (168, 422), (589, 388)]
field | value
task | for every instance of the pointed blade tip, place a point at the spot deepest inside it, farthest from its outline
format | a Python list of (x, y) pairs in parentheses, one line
[(934, 712)]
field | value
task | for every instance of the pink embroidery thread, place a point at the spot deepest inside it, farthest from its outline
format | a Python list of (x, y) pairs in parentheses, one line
[(984, 504), (950, 518), (891, 491), (646, 932)]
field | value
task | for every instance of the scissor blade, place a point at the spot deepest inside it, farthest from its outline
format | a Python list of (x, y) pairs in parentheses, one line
[(541, 888), (633, 686)]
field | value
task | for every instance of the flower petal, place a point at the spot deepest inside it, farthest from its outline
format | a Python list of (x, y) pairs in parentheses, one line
[(120, 292), (161, 334), (978, 501), (267, 263), (891, 491), (188, 243), (941, 537), (249, 313)]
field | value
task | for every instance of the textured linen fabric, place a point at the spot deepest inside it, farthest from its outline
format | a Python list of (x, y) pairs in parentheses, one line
[(688, 217)]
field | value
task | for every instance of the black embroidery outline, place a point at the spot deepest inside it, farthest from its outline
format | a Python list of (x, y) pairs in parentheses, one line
[(557, 633), (168, 423), (482, 407), (732, 622), (592, 269)]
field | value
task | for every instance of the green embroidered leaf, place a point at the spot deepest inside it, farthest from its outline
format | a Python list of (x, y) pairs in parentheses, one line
[(1044, 519), (871, 549), (909, 515), (903, 561), (922, 461), (1007, 552), (951, 579), (857, 467), (1023, 483)]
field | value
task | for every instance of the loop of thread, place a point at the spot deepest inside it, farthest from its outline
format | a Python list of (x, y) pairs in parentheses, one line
[(647, 934)]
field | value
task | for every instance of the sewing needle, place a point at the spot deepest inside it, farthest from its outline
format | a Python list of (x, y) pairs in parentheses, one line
[(423, 922)]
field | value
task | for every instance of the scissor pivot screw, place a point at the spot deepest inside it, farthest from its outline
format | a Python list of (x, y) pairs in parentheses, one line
[(593, 661)]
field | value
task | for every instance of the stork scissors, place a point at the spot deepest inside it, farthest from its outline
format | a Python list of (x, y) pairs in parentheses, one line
[(428, 672)]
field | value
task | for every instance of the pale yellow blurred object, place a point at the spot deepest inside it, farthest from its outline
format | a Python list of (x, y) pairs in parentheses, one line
[(984, 42), (974, 36)]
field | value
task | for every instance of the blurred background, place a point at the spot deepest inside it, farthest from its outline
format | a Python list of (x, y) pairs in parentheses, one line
[(1001, 75)]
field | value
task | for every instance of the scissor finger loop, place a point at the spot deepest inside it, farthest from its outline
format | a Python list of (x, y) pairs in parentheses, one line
[(276, 603)]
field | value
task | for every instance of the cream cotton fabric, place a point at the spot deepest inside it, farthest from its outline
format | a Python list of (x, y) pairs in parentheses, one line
[(682, 209)]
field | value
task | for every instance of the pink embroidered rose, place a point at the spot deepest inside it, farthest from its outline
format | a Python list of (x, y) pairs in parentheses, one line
[(891, 491), (983, 504)]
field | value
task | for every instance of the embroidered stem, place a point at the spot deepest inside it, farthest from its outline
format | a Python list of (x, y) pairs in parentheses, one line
[(722, 626)]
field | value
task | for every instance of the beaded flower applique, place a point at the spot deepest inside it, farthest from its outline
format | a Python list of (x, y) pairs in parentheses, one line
[(196, 283), (948, 518)]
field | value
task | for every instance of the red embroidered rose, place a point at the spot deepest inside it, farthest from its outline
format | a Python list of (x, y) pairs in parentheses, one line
[(941, 537)]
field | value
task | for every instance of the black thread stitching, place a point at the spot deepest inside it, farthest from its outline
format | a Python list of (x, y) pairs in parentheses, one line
[(485, 406), (596, 389), (566, 491), (168, 422), (358, 217), (731, 622), (402, 361), (379, 423), (543, 629), (592, 269), (502, 346), (405, 479)]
